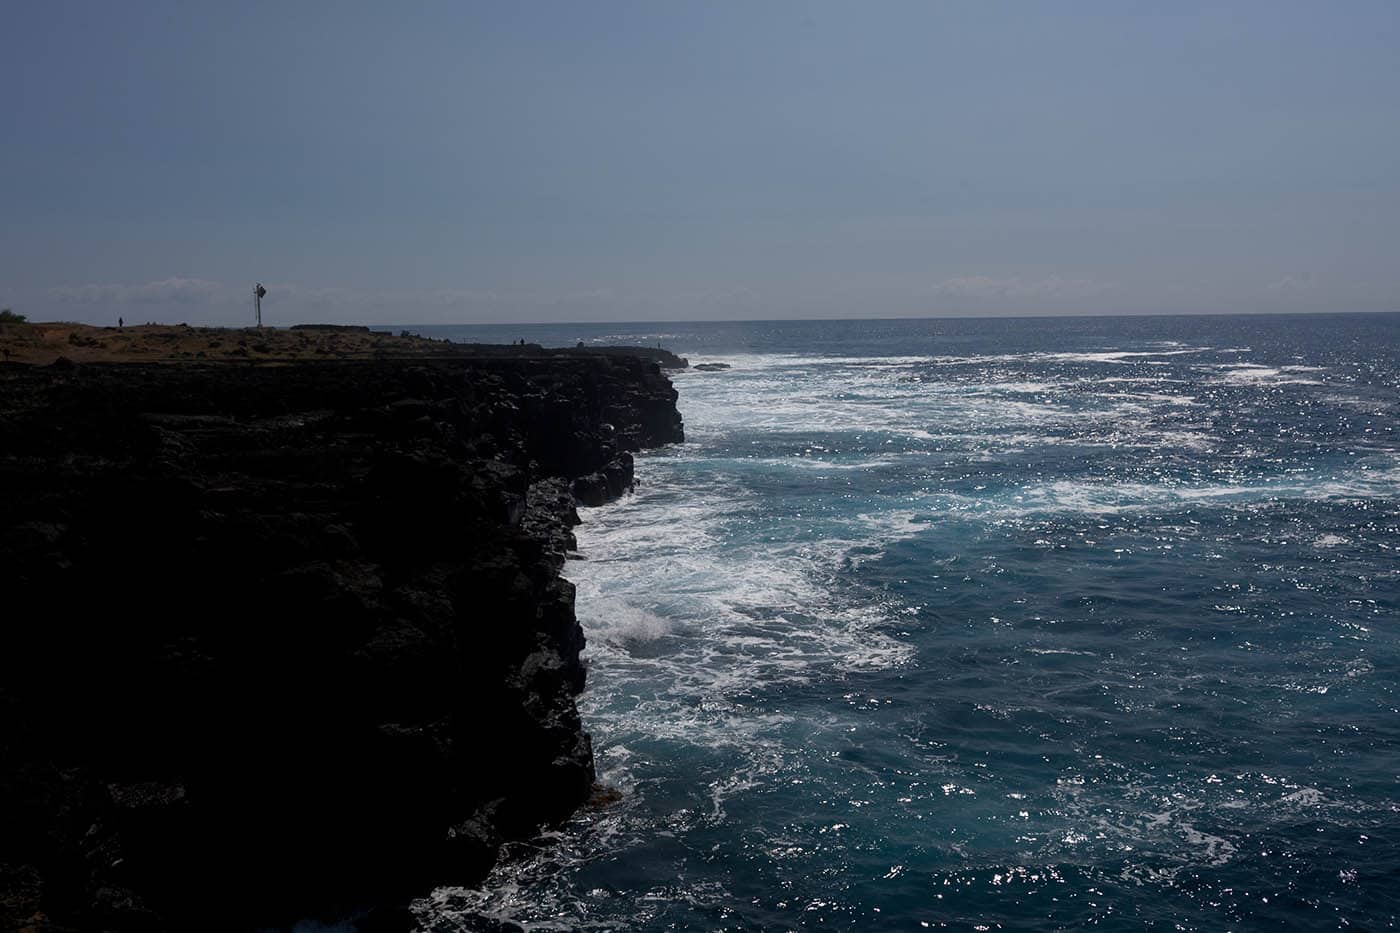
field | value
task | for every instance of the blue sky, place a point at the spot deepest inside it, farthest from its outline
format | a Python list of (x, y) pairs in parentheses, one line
[(528, 161)]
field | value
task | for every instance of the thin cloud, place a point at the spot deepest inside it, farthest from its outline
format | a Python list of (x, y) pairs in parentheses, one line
[(1292, 283), (173, 291), (342, 297), (985, 286)]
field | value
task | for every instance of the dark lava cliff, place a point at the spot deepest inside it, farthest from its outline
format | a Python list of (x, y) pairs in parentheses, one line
[(287, 639)]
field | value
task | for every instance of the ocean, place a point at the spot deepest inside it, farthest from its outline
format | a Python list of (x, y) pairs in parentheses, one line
[(997, 624)]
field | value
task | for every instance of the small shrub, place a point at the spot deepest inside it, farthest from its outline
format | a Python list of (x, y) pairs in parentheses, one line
[(9, 317)]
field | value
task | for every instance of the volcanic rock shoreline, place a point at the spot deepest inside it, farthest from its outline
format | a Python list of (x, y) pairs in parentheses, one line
[(286, 640)]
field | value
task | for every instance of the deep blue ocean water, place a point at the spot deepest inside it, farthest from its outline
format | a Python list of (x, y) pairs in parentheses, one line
[(1026, 624)]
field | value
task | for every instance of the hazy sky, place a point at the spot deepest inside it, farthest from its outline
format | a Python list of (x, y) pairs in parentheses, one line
[(527, 161)]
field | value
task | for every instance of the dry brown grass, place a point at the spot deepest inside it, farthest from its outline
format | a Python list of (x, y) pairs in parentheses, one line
[(42, 343)]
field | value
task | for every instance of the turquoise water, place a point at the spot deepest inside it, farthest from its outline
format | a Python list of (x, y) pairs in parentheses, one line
[(1010, 624)]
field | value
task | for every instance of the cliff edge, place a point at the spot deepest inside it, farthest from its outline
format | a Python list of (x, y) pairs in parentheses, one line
[(289, 639)]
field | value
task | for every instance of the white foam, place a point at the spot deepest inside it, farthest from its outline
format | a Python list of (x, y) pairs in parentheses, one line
[(1302, 799), (860, 398), (1257, 374), (1216, 850), (733, 614), (1113, 498), (1096, 356), (1034, 388), (625, 624), (822, 464), (747, 362)]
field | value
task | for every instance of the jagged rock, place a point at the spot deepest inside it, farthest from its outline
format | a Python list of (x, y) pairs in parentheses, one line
[(295, 632), (591, 490)]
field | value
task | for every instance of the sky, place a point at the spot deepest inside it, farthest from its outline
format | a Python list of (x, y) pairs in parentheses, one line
[(515, 161)]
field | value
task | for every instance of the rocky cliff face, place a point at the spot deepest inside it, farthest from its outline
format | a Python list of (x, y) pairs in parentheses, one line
[(292, 638)]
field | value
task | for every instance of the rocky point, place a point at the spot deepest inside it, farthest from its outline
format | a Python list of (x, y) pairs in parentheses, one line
[(290, 639)]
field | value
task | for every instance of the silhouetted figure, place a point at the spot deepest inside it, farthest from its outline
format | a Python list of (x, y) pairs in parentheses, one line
[(120, 323)]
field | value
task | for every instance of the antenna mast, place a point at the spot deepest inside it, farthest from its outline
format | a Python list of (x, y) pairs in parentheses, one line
[(258, 292)]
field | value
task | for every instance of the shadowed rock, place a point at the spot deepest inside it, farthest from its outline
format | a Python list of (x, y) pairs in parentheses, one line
[(292, 639)]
